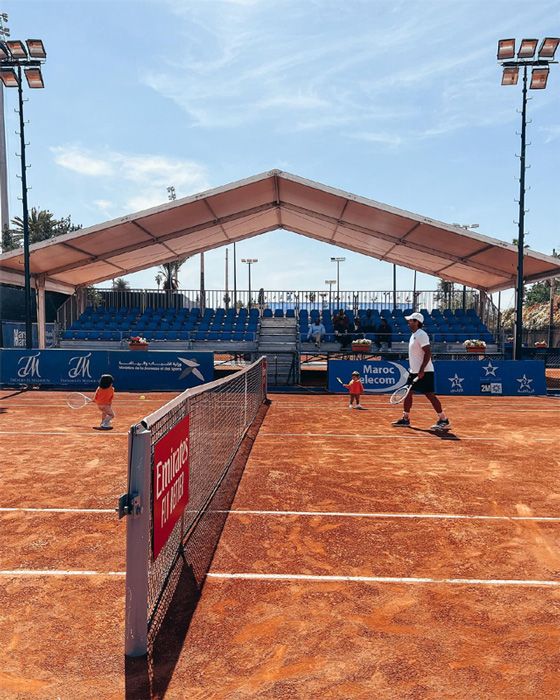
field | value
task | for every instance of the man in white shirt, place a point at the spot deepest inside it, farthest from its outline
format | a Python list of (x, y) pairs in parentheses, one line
[(317, 332), (421, 370)]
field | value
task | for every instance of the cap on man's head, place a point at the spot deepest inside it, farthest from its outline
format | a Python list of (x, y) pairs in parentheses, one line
[(415, 317)]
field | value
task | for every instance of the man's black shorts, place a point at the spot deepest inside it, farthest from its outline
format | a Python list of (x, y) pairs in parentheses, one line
[(426, 385)]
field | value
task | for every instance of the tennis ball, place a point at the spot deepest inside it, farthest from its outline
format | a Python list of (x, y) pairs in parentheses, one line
[(142, 397)]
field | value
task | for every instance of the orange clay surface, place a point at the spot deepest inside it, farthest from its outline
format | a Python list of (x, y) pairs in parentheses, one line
[(439, 617)]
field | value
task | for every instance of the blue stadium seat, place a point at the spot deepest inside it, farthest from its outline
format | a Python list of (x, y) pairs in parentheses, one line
[(278, 313), (267, 313)]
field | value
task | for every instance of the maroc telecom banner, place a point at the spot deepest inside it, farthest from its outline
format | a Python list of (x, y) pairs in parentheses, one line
[(13, 334), (467, 377), (133, 370), (170, 483)]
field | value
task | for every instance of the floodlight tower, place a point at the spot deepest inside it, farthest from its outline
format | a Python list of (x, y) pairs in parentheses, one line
[(4, 208), (249, 261), (330, 283), (15, 56), (338, 261), (511, 64)]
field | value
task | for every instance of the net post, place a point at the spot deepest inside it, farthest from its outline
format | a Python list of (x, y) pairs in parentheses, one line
[(138, 542)]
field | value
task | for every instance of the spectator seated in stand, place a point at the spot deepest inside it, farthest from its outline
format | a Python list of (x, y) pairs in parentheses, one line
[(383, 334), (358, 330), (341, 324), (368, 323), (316, 331)]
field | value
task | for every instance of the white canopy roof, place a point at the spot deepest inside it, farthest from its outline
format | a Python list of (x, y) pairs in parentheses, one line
[(274, 200)]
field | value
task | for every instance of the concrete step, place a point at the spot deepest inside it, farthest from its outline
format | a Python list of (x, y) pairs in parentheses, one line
[(276, 346), (278, 331)]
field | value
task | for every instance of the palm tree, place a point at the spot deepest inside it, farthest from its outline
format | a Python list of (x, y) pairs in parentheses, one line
[(170, 273), (42, 226), (120, 284)]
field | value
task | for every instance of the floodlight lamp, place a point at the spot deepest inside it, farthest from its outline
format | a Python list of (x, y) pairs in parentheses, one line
[(527, 48), (506, 49), (4, 31), (36, 48), (34, 78), (9, 78), (510, 76), (548, 48), (4, 16), (539, 77), (17, 49), (338, 259)]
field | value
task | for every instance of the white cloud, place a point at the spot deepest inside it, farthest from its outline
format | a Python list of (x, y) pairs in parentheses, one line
[(134, 181), (551, 133), (78, 161)]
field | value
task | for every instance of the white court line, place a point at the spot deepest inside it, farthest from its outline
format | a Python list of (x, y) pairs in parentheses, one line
[(312, 513), (58, 510), (417, 409), (404, 516), (58, 572), (397, 435), (383, 579)]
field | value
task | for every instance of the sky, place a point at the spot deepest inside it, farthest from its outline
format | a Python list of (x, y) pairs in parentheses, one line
[(399, 101)]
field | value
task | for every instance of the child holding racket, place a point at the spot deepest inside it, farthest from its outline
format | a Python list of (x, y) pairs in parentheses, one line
[(103, 398), (421, 376), (355, 389)]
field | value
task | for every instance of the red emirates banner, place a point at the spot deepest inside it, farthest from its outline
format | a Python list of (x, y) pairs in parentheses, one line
[(170, 487)]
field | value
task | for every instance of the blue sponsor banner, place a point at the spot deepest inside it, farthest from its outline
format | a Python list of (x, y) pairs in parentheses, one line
[(466, 377), (13, 334), (491, 377), (80, 369), (378, 377)]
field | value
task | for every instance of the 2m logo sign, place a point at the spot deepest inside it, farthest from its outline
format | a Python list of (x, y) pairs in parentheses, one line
[(170, 483)]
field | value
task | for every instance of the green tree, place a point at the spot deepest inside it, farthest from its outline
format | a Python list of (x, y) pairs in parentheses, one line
[(42, 227), (120, 284), (170, 273)]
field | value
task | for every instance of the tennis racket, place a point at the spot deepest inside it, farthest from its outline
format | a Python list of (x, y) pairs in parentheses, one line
[(77, 400), (400, 395)]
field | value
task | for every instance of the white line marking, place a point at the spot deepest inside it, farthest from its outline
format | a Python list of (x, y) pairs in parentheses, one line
[(384, 579), (404, 516), (58, 572), (361, 436), (57, 510)]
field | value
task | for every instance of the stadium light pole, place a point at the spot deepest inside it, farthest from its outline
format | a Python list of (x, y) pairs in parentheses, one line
[(511, 63), (17, 59), (4, 206), (338, 261), (330, 283), (249, 262)]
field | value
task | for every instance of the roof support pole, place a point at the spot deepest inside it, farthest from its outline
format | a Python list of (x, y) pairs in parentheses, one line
[(41, 318)]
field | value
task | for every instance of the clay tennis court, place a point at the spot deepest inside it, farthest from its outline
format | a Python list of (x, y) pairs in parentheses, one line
[(357, 560)]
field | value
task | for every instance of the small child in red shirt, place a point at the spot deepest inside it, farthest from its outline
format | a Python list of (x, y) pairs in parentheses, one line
[(355, 389), (104, 398)]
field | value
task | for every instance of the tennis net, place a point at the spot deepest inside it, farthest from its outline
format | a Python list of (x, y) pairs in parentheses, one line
[(201, 429)]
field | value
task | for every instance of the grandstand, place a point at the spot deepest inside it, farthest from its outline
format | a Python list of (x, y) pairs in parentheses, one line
[(218, 326)]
